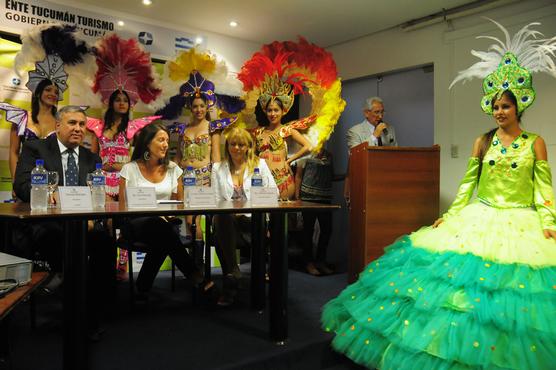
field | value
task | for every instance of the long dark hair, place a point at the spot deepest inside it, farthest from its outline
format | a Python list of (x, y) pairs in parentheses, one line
[(486, 139), (36, 100), (110, 115), (144, 138)]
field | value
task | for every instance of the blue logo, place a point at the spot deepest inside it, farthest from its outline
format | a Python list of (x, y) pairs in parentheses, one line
[(183, 43), (145, 38), (16, 81)]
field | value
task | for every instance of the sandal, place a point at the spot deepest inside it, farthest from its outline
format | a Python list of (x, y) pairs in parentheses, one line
[(312, 269), (324, 268)]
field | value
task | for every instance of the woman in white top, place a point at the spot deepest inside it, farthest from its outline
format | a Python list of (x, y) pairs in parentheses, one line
[(231, 180), (150, 167)]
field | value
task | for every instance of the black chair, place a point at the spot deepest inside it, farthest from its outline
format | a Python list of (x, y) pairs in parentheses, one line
[(127, 242)]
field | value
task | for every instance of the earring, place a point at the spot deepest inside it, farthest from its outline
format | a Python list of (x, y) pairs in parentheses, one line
[(146, 156)]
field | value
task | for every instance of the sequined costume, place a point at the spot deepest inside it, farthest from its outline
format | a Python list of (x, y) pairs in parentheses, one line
[(478, 292), (273, 149), (116, 149), (199, 148), (19, 118)]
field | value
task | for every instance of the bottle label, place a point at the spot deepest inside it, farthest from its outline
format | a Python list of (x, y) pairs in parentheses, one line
[(256, 182), (39, 179), (189, 181), (97, 180)]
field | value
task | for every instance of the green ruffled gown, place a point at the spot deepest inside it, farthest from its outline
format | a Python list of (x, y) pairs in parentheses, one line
[(478, 292)]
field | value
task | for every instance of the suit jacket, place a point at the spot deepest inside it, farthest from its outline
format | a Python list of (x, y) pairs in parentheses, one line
[(49, 151), (363, 131)]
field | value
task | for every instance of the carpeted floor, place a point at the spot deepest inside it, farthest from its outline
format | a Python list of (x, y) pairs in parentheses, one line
[(170, 333)]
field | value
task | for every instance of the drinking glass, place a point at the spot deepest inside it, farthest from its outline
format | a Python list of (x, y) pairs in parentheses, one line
[(53, 179)]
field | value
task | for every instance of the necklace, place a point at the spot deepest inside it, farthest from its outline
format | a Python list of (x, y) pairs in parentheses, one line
[(238, 171)]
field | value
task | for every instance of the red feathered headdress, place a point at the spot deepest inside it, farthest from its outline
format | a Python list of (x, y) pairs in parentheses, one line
[(281, 69), (123, 65)]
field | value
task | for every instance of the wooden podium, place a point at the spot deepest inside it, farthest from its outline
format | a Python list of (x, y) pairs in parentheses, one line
[(393, 191)]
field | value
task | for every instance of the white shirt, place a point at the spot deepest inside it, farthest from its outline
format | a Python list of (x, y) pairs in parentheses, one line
[(223, 184), (164, 189), (64, 153)]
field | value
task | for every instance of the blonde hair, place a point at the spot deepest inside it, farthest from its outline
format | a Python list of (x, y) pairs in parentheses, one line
[(242, 136)]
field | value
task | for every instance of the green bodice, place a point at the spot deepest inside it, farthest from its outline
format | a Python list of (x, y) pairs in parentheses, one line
[(511, 177), (507, 173)]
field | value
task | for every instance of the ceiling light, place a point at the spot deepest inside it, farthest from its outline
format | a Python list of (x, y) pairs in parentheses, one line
[(233, 24), (147, 2), (199, 40), (121, 23)]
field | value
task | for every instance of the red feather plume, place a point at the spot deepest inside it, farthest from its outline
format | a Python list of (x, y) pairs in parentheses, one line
[(124, 65), (284, 57)]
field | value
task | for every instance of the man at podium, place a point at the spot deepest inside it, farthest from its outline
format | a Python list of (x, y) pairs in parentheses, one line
[(372, 130)]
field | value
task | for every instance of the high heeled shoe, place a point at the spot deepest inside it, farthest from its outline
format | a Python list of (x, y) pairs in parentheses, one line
[(229, 291)]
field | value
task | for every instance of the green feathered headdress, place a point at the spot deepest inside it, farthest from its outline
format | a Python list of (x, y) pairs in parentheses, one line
[(508, 66)]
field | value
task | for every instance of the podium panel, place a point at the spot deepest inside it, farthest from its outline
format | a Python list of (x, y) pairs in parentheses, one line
[(393, 191)]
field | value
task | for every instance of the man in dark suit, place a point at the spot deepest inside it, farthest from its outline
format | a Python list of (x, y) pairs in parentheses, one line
[(63, 153), (56, 151)]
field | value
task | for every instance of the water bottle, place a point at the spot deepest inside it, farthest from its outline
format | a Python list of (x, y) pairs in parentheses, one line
[(189, 181), (96, 181), (256, 179), (39, 187)]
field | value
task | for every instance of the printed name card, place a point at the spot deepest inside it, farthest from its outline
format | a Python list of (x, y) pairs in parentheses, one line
[(75, 198), (263, 196), (140, 197), (201, 196)]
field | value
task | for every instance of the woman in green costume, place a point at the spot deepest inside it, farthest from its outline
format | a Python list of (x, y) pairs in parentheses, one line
[(476, 290)]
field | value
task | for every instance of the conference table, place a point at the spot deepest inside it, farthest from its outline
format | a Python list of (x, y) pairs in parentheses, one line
[(75, 348)]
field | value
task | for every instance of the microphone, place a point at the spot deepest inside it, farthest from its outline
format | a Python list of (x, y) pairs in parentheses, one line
[(385, 130)]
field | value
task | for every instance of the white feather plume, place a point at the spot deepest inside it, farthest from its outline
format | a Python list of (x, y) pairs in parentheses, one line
[(532, 52)]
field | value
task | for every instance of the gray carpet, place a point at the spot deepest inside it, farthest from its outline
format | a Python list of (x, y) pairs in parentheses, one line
[(170, 333)]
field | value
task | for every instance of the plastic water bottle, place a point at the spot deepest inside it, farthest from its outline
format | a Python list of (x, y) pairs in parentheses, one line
[(256, 179), (96, 181), (39, 187), (189, 181)]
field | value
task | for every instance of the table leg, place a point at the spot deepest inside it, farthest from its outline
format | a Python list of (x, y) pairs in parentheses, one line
[(278, 277), (257, 261), (75, 293), (208, 244), (6, 237)]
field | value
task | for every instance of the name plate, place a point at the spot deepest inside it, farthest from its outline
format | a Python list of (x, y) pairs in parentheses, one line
[(263, 196), (77, 198), (200, 196), (140, 197)]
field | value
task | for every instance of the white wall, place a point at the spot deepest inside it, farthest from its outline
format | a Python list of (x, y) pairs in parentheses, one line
[(234, 51), (458, 118)]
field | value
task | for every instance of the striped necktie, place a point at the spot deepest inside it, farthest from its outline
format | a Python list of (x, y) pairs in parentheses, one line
[(71, 172)]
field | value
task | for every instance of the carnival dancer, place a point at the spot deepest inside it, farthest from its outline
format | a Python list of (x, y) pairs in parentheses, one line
[(211, 95), (272, 77), (56, 52), (476, 290), (125, 76)]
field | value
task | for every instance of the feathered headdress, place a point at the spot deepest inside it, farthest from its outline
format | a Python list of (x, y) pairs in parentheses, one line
[(508, 66), (56, 51), (124, 65), (194, 74), (281, 70)]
